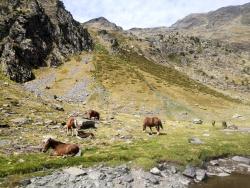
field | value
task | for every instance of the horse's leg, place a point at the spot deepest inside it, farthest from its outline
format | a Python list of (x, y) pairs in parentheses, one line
[(76, 132), (158, 130), (67, 131), (151, 130)]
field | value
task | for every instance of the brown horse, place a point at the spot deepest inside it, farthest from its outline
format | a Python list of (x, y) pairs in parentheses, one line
[(71, 125), (84, 134), (92, 114), (60, 148), (152, 122)]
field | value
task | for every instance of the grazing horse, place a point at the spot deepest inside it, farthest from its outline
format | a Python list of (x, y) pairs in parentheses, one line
[(92, 114), (60, 148), (71, 125), (152, 122)]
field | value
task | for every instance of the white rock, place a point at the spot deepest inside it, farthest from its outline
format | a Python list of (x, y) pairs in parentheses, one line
[(75, 171), (223, 174), (155, 171), (241, 159)]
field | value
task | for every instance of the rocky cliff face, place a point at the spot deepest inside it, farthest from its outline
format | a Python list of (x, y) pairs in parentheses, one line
[(37, 33)]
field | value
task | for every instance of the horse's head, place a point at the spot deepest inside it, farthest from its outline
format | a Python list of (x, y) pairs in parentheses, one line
[(46, 145)]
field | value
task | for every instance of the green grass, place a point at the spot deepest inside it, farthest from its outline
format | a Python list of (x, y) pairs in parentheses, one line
[(173, 147)]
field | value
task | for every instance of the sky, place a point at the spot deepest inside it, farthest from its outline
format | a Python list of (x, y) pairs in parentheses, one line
[(143, 13)]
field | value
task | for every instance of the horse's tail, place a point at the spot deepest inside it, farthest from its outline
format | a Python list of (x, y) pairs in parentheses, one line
[(79, 153)]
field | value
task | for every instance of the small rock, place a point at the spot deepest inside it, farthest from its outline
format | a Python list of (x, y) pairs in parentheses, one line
[(197, 121), (58, 107), (128, 178), (206, 134), (241, 159), (200, 174), (20, 121), (6, 84), (155, 171), (4, 125), (94, 175), (25, 182), (6, 105), (173, 169), (189, 172), (214, 162), (74, 171), (195, 140), (223, 174), (236, 116)]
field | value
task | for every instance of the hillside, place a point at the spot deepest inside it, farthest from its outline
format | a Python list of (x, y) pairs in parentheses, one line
[(126, 76), (35, 34), (229, 24)]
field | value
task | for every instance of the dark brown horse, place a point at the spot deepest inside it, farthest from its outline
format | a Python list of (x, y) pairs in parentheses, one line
[(152, 122), (60, 148), (92, 114), (84, 134)]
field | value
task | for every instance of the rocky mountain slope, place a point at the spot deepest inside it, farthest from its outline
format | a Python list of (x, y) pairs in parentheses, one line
[(230, 24), (37, 33)]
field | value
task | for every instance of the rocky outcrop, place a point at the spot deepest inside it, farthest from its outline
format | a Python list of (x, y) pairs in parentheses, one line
[(37, 33)]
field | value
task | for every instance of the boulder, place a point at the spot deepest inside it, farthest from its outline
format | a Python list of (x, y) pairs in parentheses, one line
[(189, 172), (155, 171), (241, 159), (200, 174)]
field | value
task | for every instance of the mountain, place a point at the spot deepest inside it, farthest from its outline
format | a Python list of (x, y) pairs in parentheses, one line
[(35, 33), (231, 24), (103, 23)]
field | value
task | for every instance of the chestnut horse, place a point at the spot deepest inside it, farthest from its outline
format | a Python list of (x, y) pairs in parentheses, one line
[(92, 114), (152, 122), (60, 148), (71, 125)]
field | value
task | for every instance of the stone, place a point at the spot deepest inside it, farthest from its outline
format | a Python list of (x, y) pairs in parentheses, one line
[(195, 140), (128, 178), (74, 171), (4, 125), (25, 182), (173, 169), (241, 159), (223, 174), (20, 121), (189, 172), (197, 121), (214, 163), (236, 116), (155, 171), (95, 175), (58, 107), (200, 174), (6, 84)]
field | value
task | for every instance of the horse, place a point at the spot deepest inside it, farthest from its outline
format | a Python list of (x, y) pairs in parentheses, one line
[(84, 134), (92, 114), (152, 122), (60, 148), (71, 125)]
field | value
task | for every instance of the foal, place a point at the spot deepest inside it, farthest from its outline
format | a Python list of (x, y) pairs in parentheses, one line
[(60, 148), (71, 125), (152, 122)]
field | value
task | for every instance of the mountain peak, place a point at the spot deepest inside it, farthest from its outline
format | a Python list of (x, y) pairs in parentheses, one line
[(102, 23)]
